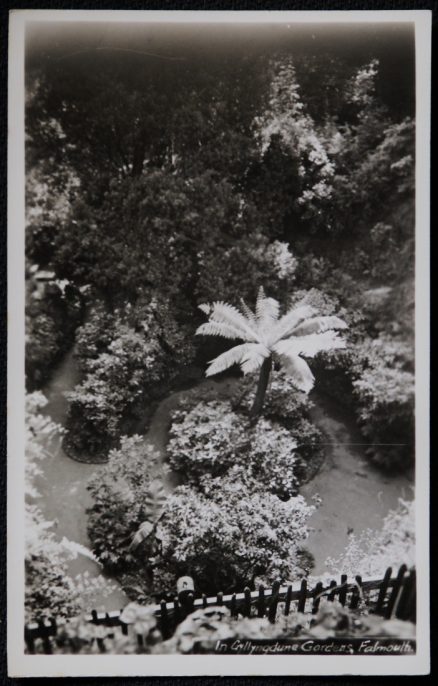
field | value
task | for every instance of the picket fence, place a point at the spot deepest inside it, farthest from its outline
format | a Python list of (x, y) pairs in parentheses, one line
[(388, 596)]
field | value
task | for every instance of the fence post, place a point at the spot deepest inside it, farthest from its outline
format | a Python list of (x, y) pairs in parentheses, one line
[(272, 613), (354, 600), (343, 590), (30, 642), (332, 593), (355, 596), (316, 599), (186, 603), (185, 588), (220, 598), (44, 633), (247, 602), (261, 602), (395, 591), (382, 591), (123, 625), (405, 608), (288, 600), (233, 607), (164, 620), (303, 596), (177, 611)]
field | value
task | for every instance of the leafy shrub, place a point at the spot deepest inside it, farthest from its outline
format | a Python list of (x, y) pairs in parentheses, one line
[(121, 491), (226, 535), (283, 403), (204, 439), (386, 415), (211, 439), (52, 316), (385, 393), (287, 408), (126, 358), (375, 377)]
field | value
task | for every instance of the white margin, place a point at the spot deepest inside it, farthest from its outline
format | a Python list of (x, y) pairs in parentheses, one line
[(21, 665)]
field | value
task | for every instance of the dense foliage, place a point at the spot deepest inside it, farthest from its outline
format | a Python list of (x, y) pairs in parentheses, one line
[(228, 534), (53, 311), (122, 491), (211, 440), (155, 185), (201, 631), (126, 358), (189, 531), (207, 190)]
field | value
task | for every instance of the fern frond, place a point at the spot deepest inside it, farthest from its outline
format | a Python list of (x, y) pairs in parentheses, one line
[(269, 311), (205, 307), (254, 358), (298, 370), (142, 534), (309, 345), (259, 304), (224, 330), (319, 325), (228, 358), (230, 315), (154, 500), (247, 312), (289, 321)]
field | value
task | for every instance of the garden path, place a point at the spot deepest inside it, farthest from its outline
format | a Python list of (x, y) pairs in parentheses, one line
[(355, 494), (63, 487)]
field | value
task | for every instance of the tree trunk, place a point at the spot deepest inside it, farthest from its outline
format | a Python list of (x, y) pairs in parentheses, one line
[(261, 390)]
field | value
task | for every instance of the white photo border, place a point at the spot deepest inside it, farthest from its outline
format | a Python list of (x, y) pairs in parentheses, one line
[(23, 665)]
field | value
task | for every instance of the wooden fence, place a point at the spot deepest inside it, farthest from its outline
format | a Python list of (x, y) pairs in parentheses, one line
[(388, 596)]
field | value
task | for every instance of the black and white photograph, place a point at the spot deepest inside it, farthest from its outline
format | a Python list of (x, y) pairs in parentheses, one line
[(218, 343)]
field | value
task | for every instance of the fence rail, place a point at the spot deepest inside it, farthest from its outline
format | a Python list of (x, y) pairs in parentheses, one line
[(388, 596)]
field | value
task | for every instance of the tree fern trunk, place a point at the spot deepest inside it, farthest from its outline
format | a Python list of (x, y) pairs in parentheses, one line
[(261, 390)]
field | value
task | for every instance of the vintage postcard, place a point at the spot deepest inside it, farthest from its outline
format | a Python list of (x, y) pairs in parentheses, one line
[(218, 343)]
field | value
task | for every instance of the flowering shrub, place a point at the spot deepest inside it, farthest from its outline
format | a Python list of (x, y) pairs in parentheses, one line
[(211, 439), (371, 553), (121, 492), (227, 534)]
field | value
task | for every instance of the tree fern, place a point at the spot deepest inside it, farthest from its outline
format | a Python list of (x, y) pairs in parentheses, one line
[(309, 346), (227, 359), (319, 325), (297, 334)]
